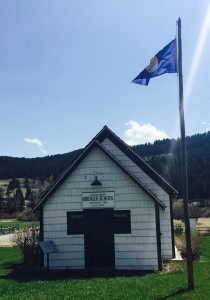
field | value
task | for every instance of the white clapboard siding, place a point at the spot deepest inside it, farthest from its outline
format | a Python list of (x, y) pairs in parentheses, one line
[(142, 253), (165, 218)]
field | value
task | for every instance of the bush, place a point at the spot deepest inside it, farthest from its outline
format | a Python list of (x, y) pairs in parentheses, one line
[(196, 242), (27, 215), (171, 266), (27, 240)]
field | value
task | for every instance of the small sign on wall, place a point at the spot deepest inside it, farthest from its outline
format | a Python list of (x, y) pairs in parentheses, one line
[(98, 200)]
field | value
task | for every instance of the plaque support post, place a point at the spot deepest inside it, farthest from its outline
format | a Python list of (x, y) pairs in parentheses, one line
[(48, 262)]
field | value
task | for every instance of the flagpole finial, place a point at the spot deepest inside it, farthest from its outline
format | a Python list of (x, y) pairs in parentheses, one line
[(179, 22)]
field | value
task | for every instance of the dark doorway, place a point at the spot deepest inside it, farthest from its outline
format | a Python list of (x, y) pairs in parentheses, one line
[(99, 238)]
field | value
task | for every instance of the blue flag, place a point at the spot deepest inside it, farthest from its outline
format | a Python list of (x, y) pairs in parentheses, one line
[(163, 62)]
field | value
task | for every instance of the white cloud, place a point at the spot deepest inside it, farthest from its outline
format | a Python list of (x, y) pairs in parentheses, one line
[(143, 133), (33, 141), (36, 142)]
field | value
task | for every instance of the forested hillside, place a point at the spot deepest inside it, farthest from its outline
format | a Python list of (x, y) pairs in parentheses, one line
[(163, 156), (48, 167)]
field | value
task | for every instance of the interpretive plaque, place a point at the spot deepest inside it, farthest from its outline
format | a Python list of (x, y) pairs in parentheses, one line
[(48, 247)]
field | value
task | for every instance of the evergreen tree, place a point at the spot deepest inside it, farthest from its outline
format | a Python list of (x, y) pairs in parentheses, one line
[(9, 204), (19, 200), (7, 193), (26, 183), (14, 184), (1, 199), (28, 193), (33, 200)]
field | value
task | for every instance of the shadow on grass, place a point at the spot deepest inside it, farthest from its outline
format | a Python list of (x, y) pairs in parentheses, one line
[(22, 273), (180, 292)]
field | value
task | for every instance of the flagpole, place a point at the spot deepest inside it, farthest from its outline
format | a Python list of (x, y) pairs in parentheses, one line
[(184, 165)]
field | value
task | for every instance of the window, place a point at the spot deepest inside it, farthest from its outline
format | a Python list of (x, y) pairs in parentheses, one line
[(122, 221), (75, 222)]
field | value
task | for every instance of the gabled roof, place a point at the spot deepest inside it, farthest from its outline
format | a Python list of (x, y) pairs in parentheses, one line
[(96, 142), (107, 133)]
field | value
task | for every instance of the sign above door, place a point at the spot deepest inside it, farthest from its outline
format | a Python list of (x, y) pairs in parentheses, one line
[(98, 200)]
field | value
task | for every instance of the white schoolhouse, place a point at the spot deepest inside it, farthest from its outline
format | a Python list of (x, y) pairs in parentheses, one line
[(108, 209)]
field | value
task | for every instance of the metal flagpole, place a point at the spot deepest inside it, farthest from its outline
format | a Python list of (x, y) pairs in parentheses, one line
[(184, 165)]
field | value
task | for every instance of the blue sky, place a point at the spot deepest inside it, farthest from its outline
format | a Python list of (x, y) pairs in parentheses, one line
[(66, 69)]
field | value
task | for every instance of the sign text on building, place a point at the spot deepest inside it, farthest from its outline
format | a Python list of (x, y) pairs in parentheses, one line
[(97, 200)]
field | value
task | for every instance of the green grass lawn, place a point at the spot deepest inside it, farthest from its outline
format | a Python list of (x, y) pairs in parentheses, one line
[(62, 285)]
